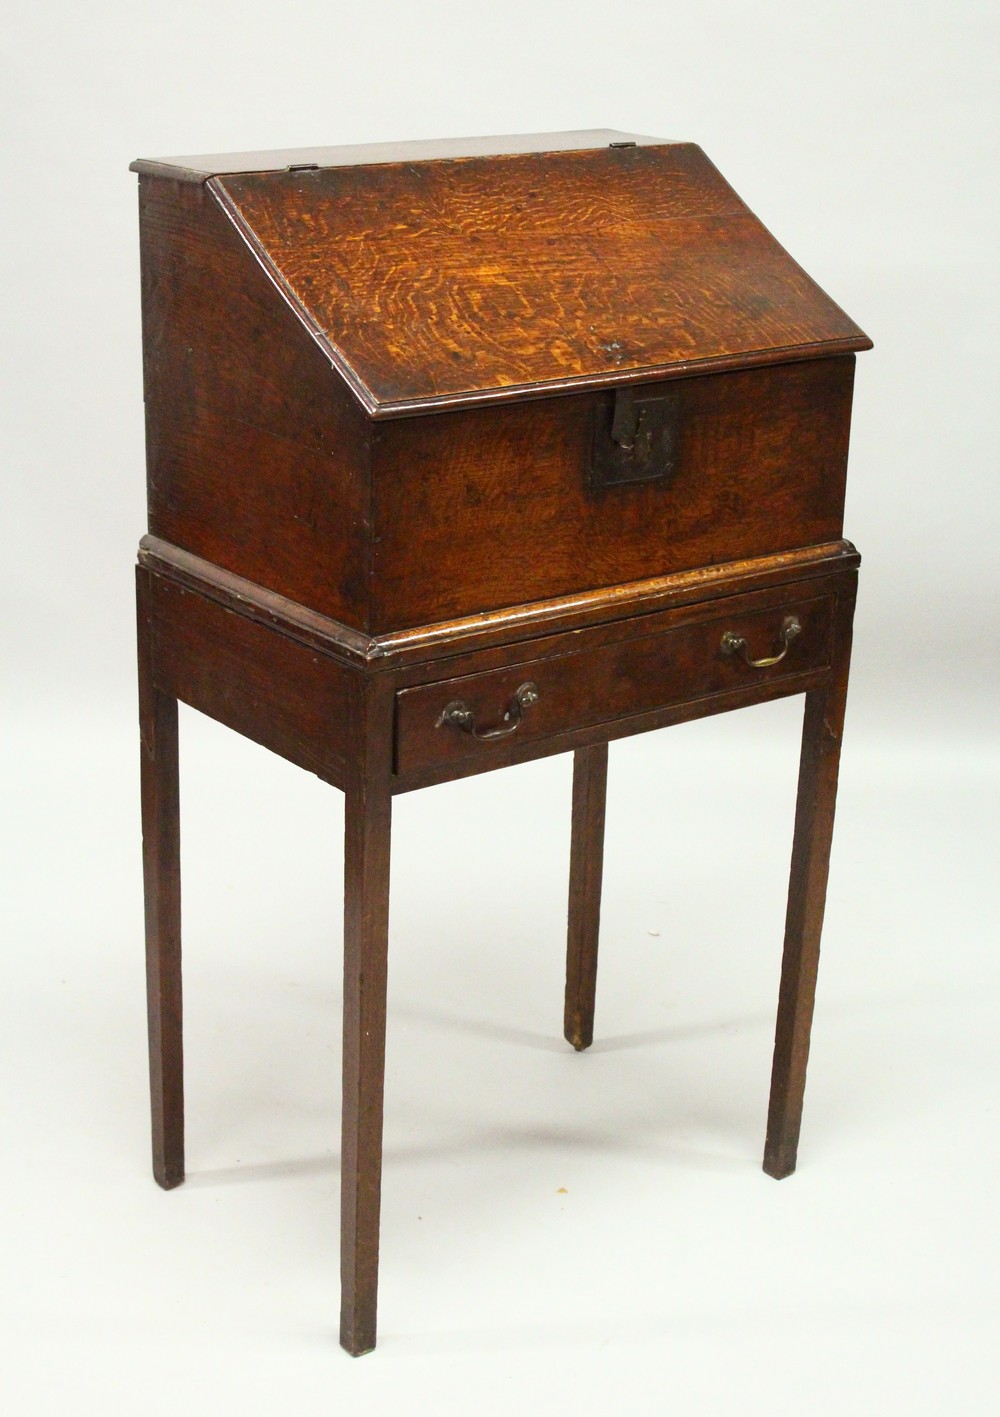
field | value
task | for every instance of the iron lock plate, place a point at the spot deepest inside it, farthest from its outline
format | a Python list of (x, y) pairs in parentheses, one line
[(635, 437)]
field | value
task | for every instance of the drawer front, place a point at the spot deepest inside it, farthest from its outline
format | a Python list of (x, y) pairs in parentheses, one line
[(445, 722)]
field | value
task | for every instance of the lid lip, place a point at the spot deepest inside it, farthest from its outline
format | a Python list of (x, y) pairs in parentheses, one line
[(385, 409), (200, 168)]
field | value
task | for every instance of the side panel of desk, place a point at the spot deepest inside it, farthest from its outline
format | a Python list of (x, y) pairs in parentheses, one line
[(286, 696), (257, 455)]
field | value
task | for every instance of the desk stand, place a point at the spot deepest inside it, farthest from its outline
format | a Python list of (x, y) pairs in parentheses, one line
[(361, 714)]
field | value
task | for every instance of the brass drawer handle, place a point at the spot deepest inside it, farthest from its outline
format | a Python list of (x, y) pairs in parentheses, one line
[(459, 715), (732, 643)]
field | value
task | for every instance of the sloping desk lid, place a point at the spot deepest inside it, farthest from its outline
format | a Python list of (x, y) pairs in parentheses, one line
[(443, 281)]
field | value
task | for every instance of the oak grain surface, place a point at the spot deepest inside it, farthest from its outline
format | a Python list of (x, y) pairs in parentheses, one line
[(460, 278), (256, 453), (610, 681), (375, 391), (485, 507), (254, 680)]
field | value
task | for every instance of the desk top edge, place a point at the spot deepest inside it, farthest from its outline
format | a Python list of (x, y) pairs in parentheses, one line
[(507, 626), (199, 168)]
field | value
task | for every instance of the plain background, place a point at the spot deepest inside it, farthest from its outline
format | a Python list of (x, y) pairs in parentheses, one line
[(589, 1233)]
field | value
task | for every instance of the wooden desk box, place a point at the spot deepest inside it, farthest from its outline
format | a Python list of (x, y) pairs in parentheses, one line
[(462, 454)]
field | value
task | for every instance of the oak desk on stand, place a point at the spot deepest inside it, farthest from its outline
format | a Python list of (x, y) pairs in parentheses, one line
[(463, 454)]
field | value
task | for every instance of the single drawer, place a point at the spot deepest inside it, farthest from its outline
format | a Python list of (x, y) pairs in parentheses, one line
[(454, 719)]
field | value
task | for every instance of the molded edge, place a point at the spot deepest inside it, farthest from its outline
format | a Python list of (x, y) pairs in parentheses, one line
[(512, 624)]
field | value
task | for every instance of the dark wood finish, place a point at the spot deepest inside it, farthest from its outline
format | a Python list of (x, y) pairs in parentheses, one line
[(367, 818), (422, 520), (447, 639), (634, 676), (243, 663), (497, 275), (228, 663), (491, 507), (161, 867), (459, 456), (686, 612), (586, 865), (569, 740), (822, 733), (283, 695), (244, 420)]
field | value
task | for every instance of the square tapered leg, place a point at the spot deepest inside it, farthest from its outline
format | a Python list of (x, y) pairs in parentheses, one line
[(368, 814), (590, 783), (162, 891), (822, 731)]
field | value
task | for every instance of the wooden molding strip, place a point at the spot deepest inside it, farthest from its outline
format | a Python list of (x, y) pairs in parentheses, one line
[(494, 627)]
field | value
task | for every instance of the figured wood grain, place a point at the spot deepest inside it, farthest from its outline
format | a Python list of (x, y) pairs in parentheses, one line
[(447, 281), (569, 740), (372, 390), (257, 455), (281, 694), (604, 641), (607, 682), (483, 508), (262, 463), (612, 603), (427, 644)]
